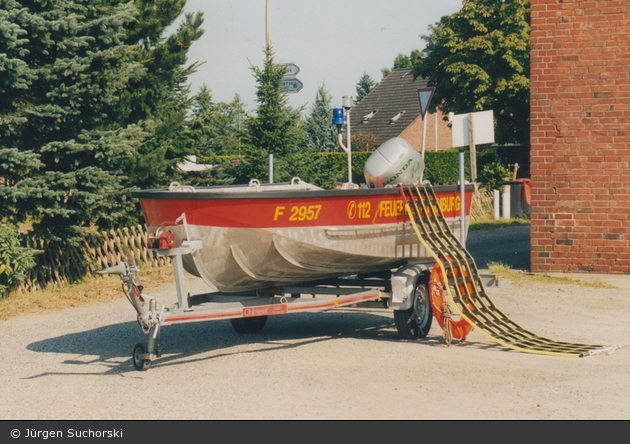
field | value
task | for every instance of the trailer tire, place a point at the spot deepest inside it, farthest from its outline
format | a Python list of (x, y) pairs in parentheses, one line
[(249, 325), (139, 363), (415, 322)]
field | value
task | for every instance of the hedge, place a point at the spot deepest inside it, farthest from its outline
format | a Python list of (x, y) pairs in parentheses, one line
[(325, 169)]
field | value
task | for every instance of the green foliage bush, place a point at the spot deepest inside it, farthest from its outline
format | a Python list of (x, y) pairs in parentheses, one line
[(492, 174), (15, 260)]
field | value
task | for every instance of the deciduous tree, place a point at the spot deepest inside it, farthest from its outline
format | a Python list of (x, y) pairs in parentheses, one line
[(478, 59)]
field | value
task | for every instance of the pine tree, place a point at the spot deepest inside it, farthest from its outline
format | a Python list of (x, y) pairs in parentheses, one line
[(216, 128), (365, 85), (275, 129), (321, 134), (67, 64), (161, 96)]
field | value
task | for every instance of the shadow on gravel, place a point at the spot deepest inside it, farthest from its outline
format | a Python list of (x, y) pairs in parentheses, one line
[(112, 346)]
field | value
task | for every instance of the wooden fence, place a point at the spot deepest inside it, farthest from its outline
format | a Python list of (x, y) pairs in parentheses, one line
[(67, 264)]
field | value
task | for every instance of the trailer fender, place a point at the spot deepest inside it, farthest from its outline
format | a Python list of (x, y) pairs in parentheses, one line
[(403, 283)]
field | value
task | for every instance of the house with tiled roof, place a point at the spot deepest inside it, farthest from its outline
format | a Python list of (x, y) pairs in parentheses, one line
[(392, 109)]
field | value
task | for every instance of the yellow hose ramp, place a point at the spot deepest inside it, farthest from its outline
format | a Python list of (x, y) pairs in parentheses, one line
[(465, 289)]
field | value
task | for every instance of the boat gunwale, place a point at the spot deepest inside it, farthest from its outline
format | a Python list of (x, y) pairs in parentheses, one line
[(204, 193)]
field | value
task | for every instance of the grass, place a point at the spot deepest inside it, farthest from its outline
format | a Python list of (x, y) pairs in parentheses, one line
[(520, 277), (90, 290), (487, 225)]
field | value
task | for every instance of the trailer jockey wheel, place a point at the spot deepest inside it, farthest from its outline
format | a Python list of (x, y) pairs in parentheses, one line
[(139, 363), (249, 325), (415, 322)]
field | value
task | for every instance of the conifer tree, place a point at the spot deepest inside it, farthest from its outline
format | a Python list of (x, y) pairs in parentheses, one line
[(365, 85), (276, 128), (67, 64), (161, 97), (216, 128), (321, 134)]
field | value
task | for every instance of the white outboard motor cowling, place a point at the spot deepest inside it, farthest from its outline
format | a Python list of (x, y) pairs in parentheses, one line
[(394, 162)]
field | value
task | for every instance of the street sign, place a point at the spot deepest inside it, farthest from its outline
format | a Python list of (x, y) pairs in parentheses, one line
[(424, 97), (292, 69), (291, 85), (483, 128)]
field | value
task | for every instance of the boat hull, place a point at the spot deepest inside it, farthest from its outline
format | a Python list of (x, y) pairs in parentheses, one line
[(268, 237)]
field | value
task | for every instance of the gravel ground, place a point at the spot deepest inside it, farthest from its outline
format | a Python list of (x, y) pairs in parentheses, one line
[(339, 364)]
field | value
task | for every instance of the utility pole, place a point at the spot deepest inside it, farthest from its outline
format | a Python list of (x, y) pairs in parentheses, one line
[(268, 41)]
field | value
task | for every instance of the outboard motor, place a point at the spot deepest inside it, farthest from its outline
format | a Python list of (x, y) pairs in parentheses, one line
[(394, 162)]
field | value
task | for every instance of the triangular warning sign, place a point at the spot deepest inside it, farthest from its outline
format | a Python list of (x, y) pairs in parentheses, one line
[(424, 97)]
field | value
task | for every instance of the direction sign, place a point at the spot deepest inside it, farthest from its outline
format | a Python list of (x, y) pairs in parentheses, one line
[(291, 85), (292, 69), (424, 96)]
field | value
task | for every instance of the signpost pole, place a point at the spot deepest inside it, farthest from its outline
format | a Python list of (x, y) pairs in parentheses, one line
[(424, 133), (462, 199)]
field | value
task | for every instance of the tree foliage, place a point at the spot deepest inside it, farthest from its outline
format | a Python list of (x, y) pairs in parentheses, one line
[(364, 86), (15, 260), (216, 128), (93, 102), (276, 128), (403, 61), (161, 97), (478, 59), (67, 63), (320, 133)]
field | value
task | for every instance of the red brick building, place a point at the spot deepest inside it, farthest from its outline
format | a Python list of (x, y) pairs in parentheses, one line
[(580, 136)]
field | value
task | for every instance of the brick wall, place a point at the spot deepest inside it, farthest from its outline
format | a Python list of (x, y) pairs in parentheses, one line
[(580, 136)]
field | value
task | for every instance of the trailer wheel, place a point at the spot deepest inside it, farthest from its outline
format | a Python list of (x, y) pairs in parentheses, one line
[(249, 325), (415, 322), (139, 363)]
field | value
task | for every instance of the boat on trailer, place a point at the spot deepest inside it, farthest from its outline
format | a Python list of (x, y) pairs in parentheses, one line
[(271, 249), (259, 237)]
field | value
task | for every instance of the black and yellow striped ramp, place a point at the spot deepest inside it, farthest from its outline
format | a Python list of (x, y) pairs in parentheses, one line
[(456, 272)]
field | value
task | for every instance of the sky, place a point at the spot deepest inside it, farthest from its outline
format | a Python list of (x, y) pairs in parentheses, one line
[(332, 42)]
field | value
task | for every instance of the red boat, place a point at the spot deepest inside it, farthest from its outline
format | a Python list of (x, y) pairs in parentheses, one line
[(263, 236)]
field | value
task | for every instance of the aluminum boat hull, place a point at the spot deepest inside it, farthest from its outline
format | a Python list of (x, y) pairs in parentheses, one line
[(273, 235)]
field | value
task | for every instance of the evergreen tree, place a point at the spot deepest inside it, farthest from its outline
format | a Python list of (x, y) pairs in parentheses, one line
[(216, 128), (365, 85), (67, 65), (161, 96), (321, 134), (275, 129)]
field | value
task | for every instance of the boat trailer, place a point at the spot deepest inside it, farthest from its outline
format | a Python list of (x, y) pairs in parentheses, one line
[(449, 289), (248, 311)]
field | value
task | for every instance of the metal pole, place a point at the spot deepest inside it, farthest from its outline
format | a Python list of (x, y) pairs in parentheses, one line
[(268, 24), (268, 40), (462, 199), (349, 151), (436, 131), (424, 133)]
